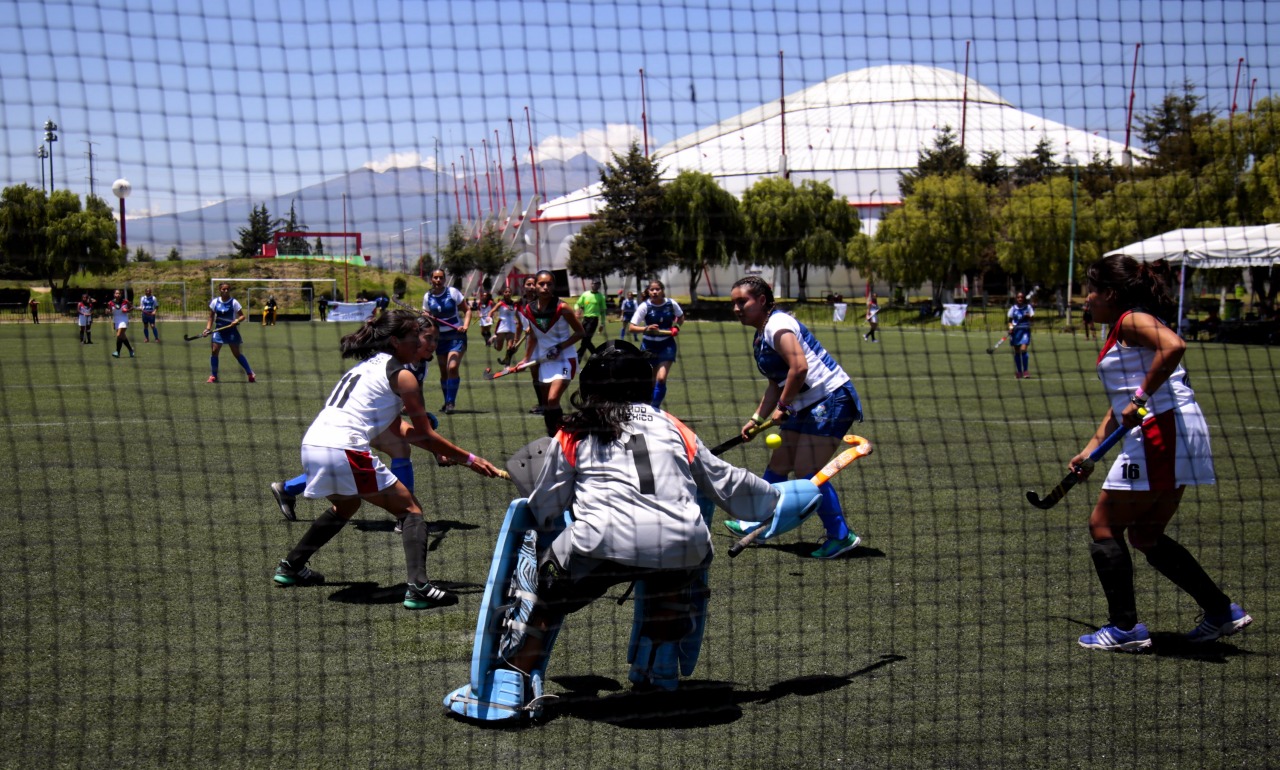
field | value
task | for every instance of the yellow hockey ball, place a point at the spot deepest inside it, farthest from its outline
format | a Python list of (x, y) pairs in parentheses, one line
[(773, 440)]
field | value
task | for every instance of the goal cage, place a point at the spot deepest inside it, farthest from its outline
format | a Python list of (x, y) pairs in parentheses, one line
[(295, 298)]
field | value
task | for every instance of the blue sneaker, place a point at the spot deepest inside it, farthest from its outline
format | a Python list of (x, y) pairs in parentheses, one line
[(1112, 638), (831, 548), (1219, 626)]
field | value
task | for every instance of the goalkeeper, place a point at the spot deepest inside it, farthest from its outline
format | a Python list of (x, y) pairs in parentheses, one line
[(631, 475)]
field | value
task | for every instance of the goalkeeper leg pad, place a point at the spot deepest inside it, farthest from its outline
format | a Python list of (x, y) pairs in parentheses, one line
[(655, 658), (496, 692)]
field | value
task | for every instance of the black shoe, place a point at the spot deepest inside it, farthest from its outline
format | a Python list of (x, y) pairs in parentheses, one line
[(285, 500), (426, 596), (286, 575)]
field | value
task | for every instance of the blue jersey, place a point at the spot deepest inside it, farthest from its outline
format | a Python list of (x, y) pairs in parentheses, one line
[(664, 315), (628, 309), (1020, 317), (447, 306), (149, 303), (224, 313), (825, 375)]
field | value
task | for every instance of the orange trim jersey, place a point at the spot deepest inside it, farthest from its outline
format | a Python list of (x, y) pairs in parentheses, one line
[(634, 501), (549, 328)]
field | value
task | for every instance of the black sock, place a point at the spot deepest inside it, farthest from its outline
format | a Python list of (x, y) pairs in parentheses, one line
[(1176, 563), (119, 343), (128, 344), (551, 418), (414, 537), (321, 531), (1115, 572)]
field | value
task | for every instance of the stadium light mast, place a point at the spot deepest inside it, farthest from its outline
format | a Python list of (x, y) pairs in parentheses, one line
[(422, 249), (404, 251), (50, 136), (1070, 160), (42, 152), (122, 189)]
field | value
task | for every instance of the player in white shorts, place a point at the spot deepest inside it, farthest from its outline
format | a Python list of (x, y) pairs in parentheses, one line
[(553, 331), (120, 309), (337, 456), (507, 313), (1166, 450)]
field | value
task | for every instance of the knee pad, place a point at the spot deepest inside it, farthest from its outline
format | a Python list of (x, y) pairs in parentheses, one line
[(659, 653)]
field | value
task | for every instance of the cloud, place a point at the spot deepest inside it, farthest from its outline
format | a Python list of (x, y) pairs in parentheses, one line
[(599, 143), (401, 160)]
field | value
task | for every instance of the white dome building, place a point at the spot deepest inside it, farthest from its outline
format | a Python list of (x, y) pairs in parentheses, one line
[(857, 132)]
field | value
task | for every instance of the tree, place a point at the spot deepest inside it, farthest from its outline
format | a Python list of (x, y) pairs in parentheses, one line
[(990, 170), (796, 228), (142, 255), (1037, 228), (587, 258), (946, 157), (945, 227), (293, 245), (426, 263), (80, 240), (1036, 167), (490, 253), (23, 230), (318, 249), (706, 225), (258, 233), (455, 257), (174, 256), (633, 235), (1168, 132)]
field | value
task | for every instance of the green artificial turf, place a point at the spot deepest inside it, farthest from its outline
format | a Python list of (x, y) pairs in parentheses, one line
[(140, 626)]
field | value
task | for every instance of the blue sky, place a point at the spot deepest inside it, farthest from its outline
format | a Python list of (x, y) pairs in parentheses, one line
[(196, 102)]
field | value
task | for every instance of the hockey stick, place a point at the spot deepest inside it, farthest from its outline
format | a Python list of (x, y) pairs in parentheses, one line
[(202, 335), (1072, 478), (490, 374), (420, 311), (720, 449), (861, 448), (992, 349)]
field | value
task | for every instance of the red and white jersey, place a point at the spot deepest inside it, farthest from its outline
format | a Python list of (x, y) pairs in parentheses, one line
[(84, 309), (506, 313), (1122, 369), (1171, 448), (360, 407), (119, 311), (635, 500), (548, 328)]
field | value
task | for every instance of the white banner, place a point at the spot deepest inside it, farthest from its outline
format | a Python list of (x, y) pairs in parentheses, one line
[(350, 311), (838, 311), (953, 315)]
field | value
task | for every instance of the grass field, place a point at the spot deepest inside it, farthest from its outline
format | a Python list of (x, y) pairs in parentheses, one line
[(140, 626)]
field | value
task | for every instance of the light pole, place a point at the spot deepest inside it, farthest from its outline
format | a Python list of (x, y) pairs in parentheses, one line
[(422, 249), (42, 152), (404, 251), (122, 189), (1071, 161), (50, 136)]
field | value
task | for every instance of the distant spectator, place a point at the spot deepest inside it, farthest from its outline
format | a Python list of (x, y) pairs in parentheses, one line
[(323, 306), (35, 310)]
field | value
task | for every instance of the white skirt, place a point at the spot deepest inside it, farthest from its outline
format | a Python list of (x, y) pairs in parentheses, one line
[(1169, 451), (348, 472)]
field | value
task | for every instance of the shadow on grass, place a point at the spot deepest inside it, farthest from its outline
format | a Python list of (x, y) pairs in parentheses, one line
[(434, 526), (1167, 644), (698, 703), (804, 550), (368, 592)]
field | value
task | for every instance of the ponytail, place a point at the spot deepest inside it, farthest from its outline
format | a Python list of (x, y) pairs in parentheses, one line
[(1135, 285), (378, 335)]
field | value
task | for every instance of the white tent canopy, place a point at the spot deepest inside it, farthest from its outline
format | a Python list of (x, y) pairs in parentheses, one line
[(1210, 247)]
